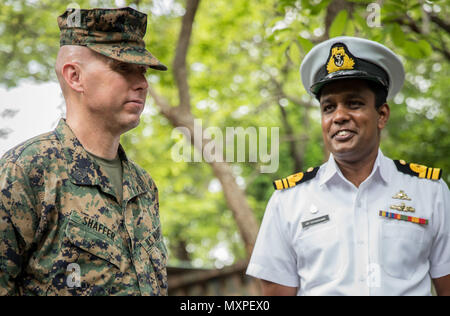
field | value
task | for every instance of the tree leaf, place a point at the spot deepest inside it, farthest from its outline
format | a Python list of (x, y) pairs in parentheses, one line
[(305, 44), (337, 28), (294, 53), (350, 31), (398, 36), (413, 49), (425, 47)]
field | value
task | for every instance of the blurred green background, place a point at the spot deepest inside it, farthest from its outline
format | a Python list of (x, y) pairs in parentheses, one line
[(243, 70)]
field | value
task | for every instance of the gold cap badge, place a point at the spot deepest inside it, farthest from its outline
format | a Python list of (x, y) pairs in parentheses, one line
[(340, 59)]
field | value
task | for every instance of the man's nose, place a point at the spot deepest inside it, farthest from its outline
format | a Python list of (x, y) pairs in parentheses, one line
[(140, 82), (341, 114)]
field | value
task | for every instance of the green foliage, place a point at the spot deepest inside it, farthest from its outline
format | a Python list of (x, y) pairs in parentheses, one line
[(239, 51), (339, 24)]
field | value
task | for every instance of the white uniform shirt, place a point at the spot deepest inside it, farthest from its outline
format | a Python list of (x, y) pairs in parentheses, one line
[(348, 248)]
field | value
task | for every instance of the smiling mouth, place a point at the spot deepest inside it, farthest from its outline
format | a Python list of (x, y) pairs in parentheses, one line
[(343, 134)]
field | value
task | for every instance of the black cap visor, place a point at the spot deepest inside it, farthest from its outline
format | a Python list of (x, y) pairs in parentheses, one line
[(363, 70), (346, 74)]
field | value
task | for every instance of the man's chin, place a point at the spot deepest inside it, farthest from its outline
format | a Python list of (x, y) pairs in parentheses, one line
[(344, 152), (134, 123), (338, 148), (353, 154), (128, 125)]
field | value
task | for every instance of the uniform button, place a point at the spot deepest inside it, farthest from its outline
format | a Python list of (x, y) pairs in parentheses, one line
[(360, 242), (362, 279)]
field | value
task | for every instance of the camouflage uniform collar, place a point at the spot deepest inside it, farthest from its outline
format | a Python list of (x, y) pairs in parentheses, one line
[(83, 170)]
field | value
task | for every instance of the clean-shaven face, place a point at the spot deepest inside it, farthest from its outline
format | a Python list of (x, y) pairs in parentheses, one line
[(115, 92), (351, 124)]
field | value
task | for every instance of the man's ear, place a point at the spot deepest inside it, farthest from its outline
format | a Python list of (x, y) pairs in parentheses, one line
[(383, 115), (71, 73)]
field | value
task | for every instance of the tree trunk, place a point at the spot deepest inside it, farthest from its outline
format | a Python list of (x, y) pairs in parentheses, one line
[(181, 116)]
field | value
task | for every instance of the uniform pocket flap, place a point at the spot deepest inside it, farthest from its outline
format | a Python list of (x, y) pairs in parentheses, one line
[(92, 241)]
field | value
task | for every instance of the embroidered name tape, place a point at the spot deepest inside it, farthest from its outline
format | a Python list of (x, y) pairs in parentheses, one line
[(315, 221), (417, 220)]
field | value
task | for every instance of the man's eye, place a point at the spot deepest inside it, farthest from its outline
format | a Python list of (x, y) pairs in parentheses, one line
[(327, 108), (356, 104), (121, 68), (143, 70)]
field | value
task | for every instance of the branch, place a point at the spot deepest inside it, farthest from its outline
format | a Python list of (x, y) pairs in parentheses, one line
[(172, 113), (182, 116), (4, 132), (441, 23), (415, 28), (9, 113), (294, 99), (179, 63), (235, 197), (295, 154), (332, 10)]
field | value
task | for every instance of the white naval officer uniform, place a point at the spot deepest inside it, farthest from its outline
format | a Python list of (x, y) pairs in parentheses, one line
[(326, 236)]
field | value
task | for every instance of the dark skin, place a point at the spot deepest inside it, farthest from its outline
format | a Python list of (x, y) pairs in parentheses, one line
[(274, 289), (442, 285), (351, 128)]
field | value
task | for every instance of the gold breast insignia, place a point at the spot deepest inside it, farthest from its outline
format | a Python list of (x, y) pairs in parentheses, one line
[(403, 208), (402, 196)]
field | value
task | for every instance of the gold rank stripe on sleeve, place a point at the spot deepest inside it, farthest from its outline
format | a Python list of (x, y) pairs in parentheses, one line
[(295, 179), (417, 170)]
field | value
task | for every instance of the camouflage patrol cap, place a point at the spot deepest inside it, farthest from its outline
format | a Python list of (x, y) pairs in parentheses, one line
[(115, 33)]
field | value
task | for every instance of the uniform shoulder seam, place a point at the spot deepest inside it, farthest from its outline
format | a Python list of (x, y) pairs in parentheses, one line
[(15, 153), (136, 166)]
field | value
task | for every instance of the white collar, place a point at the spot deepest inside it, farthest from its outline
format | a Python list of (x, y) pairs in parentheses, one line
[(382, 166)]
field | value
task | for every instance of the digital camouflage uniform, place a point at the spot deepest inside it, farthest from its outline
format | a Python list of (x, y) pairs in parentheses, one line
[(62, 229), (58, 208)]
